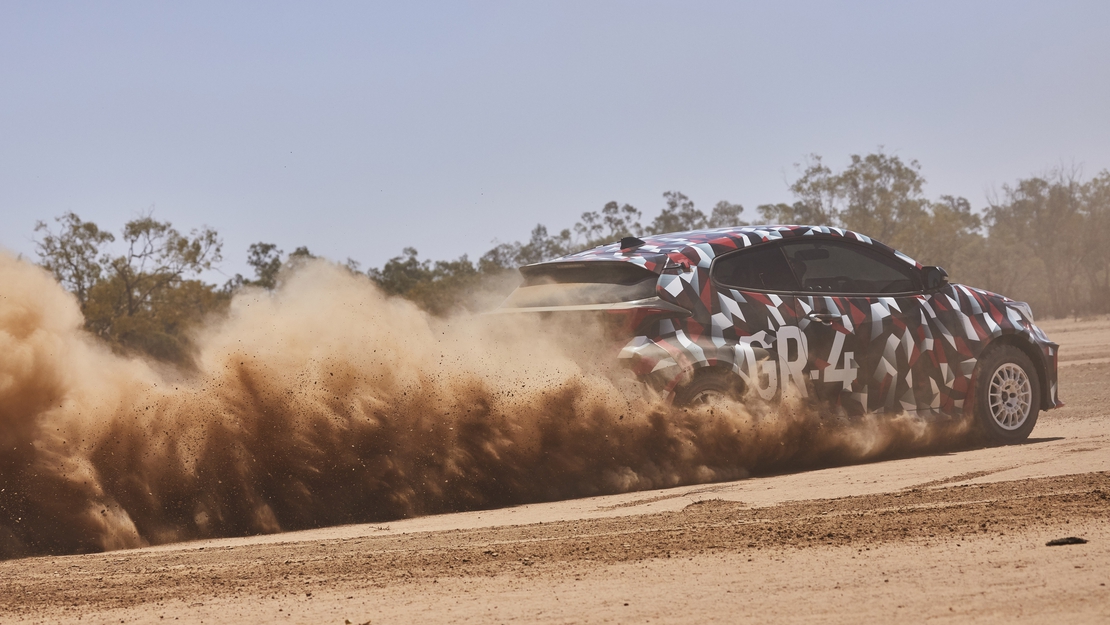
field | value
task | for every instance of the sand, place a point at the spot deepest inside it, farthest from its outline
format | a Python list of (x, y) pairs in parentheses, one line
[(953, 537)]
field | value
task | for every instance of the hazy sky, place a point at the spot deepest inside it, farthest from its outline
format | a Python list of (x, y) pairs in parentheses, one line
[(358, 129)]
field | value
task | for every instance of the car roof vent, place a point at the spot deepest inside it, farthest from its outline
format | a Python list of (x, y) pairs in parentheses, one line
[(630, 243)]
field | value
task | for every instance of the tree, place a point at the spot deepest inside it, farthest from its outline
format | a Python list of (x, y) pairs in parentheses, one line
[(401, 274), (268, 264), (157, 257), (438, 287), (882, 197), (1046, 236), (943, 233), (542, 246), (612, 224), (726, 214), (877, 194), (141, 300), (787, 214), (818, 197), (266, 260), (1043, 217), (73, 254), (679, 215), (1096, 226)]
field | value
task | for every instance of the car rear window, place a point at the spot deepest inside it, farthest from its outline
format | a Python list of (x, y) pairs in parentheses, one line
[(579, 284)]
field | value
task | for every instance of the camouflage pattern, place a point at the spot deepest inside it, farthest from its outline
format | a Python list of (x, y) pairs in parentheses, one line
[(905, 352)]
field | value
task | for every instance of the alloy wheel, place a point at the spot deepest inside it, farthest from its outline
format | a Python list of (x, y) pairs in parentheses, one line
[(1010, 396)]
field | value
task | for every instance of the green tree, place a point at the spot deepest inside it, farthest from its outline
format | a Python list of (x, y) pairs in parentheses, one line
[(265, 258), (818, 196), (788, 214), (613, 223), (439, 287), (679, 215), (142, 300), (401, 274), (725, 215), (877, 194), (73, 253), (944, 233), (881, 196), (1096, 227), (1043, 217), (541, 246)]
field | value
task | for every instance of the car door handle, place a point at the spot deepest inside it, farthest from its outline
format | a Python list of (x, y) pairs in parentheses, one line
[(825, 318)]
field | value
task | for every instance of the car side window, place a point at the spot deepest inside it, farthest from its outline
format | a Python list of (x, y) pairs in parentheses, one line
[(763, 268), (840, 267)]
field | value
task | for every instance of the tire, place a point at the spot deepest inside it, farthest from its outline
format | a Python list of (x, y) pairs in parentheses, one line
[(708, 386), (1007, 395)]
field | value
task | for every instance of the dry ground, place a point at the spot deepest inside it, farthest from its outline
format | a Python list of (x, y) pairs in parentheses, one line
[(950, 537)]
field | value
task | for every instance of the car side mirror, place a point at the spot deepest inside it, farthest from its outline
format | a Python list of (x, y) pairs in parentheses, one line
[(935, 278)]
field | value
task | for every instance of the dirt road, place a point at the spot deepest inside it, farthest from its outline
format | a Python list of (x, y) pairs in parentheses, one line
[(951, 537)]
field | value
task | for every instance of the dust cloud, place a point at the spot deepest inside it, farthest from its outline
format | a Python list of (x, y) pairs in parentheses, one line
[(326, 402)]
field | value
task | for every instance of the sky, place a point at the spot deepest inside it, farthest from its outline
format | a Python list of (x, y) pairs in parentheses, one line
[(357, 129)]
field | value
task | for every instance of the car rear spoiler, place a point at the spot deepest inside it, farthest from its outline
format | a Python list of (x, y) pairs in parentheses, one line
[(652, 303)]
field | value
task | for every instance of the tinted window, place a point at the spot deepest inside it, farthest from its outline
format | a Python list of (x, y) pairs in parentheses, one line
[(762, 268), (836, 267)]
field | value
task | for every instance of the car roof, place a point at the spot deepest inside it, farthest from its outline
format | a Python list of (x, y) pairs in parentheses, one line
[(700, 247)]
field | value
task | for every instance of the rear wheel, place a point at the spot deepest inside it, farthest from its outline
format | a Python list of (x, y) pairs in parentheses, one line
[(1007, 395), (709, 386)]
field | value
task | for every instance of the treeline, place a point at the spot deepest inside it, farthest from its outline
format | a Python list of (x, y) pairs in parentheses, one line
[(1042, 240), (445, 285)]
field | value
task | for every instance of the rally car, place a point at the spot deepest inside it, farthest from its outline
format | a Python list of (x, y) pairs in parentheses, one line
[(826, 313)]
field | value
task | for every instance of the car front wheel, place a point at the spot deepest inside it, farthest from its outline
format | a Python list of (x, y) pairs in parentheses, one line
[(1007, 395)]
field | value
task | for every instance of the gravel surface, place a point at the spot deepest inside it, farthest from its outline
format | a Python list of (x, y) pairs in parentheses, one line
[(954, 537)]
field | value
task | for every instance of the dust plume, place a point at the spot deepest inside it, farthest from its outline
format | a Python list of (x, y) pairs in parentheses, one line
[(326, 402)]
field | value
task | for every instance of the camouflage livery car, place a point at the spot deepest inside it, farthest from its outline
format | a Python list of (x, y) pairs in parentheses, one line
[(832, 314)]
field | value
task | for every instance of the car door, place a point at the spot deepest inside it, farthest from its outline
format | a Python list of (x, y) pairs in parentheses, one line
[(860, 310), (756, 315)]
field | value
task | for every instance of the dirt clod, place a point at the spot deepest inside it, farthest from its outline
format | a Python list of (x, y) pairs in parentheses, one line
[(1070, 540)]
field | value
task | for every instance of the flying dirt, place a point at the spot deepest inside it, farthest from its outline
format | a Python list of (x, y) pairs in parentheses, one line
[(326, 402)]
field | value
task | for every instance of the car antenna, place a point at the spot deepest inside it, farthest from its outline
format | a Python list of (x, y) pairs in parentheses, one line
[(630, 243)]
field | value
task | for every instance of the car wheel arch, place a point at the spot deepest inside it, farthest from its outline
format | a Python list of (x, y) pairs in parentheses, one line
[(1020, 340)]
